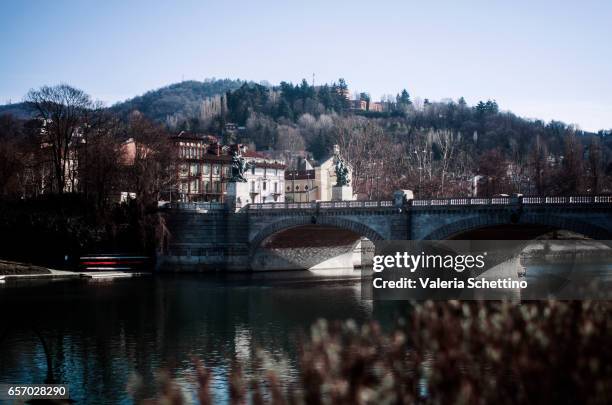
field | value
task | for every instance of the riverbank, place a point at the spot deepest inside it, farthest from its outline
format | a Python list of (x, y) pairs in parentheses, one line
[(10, 268), (15, 271), (55, 230)]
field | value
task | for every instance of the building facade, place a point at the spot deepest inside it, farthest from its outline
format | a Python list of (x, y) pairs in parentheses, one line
[(266, 178), (203, 168), (313, 183), (302, 185)]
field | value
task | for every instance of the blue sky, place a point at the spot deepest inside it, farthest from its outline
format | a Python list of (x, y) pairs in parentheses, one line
[(541, 59)]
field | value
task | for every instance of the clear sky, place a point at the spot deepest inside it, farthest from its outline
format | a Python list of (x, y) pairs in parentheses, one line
[(540, 59)]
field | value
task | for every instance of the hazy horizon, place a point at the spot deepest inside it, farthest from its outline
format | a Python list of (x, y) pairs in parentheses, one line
[(544, 61)]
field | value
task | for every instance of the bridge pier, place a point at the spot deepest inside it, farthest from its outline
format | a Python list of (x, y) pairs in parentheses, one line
[(508, 269)]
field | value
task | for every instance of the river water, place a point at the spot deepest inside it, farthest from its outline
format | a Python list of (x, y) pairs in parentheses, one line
[(107, 338), (102, 336)]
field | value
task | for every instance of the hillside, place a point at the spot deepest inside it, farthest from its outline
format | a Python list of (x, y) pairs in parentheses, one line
[(434, 148), (17, 110), (179, 100)]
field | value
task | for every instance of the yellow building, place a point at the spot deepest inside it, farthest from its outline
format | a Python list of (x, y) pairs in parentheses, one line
[(312, 184)]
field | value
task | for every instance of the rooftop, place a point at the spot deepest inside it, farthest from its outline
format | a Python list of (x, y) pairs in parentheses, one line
[(299, 174)]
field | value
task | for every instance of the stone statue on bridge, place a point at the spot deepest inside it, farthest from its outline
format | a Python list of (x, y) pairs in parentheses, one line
[(239, 167), (342, 172)]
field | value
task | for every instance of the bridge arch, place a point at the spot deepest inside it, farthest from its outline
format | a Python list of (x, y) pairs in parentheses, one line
[(538, 223), (287, 223)]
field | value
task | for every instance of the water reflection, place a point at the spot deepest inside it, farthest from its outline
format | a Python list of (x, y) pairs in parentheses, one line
[(104, 336), (100, 335)]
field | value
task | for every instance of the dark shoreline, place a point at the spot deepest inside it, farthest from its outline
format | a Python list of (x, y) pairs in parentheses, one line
[(11, 268)]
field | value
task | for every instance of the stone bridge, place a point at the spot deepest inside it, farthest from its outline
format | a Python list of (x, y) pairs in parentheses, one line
[(304, 235)]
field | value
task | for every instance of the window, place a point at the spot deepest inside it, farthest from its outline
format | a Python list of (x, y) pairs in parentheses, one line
[(288, 188), (226, 171), (253, 169), (206, 169), (194, 187), (253, 186), (275, 188), (207, 186), (216, 170), (264, 185), (193, 169)]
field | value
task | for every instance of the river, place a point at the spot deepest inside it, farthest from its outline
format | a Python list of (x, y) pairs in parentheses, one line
[(102, 335), (106, 336)]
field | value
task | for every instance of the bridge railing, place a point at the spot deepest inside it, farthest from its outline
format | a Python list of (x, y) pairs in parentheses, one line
[(512, 200), (439, 202), (321, 204), (434, 202), (196, 206), (581, 199)]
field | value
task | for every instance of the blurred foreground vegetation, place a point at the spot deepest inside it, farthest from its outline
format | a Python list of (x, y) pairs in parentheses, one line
[(446, 352)]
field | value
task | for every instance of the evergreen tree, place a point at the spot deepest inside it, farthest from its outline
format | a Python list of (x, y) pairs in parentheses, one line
[(404, 98)]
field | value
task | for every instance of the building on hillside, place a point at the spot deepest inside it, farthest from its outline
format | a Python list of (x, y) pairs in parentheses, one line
[(127, 152), (363, 105), (309, 183), (231, 127), (359, 105), (376, 106)]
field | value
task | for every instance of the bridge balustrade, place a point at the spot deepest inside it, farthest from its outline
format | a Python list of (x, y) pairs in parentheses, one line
[(439, 202), (322, 204), (582, 199), (197, 206), (460, 201)]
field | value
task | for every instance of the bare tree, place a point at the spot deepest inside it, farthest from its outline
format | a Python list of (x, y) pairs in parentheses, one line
[(539, 165), (152, 170), (64, 111), (595, 165), (447, 143), (572, 167), (12, 156), (289, 138), (493, 167), (421, 159), (262, 130), (210, 108), (99, 160)]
